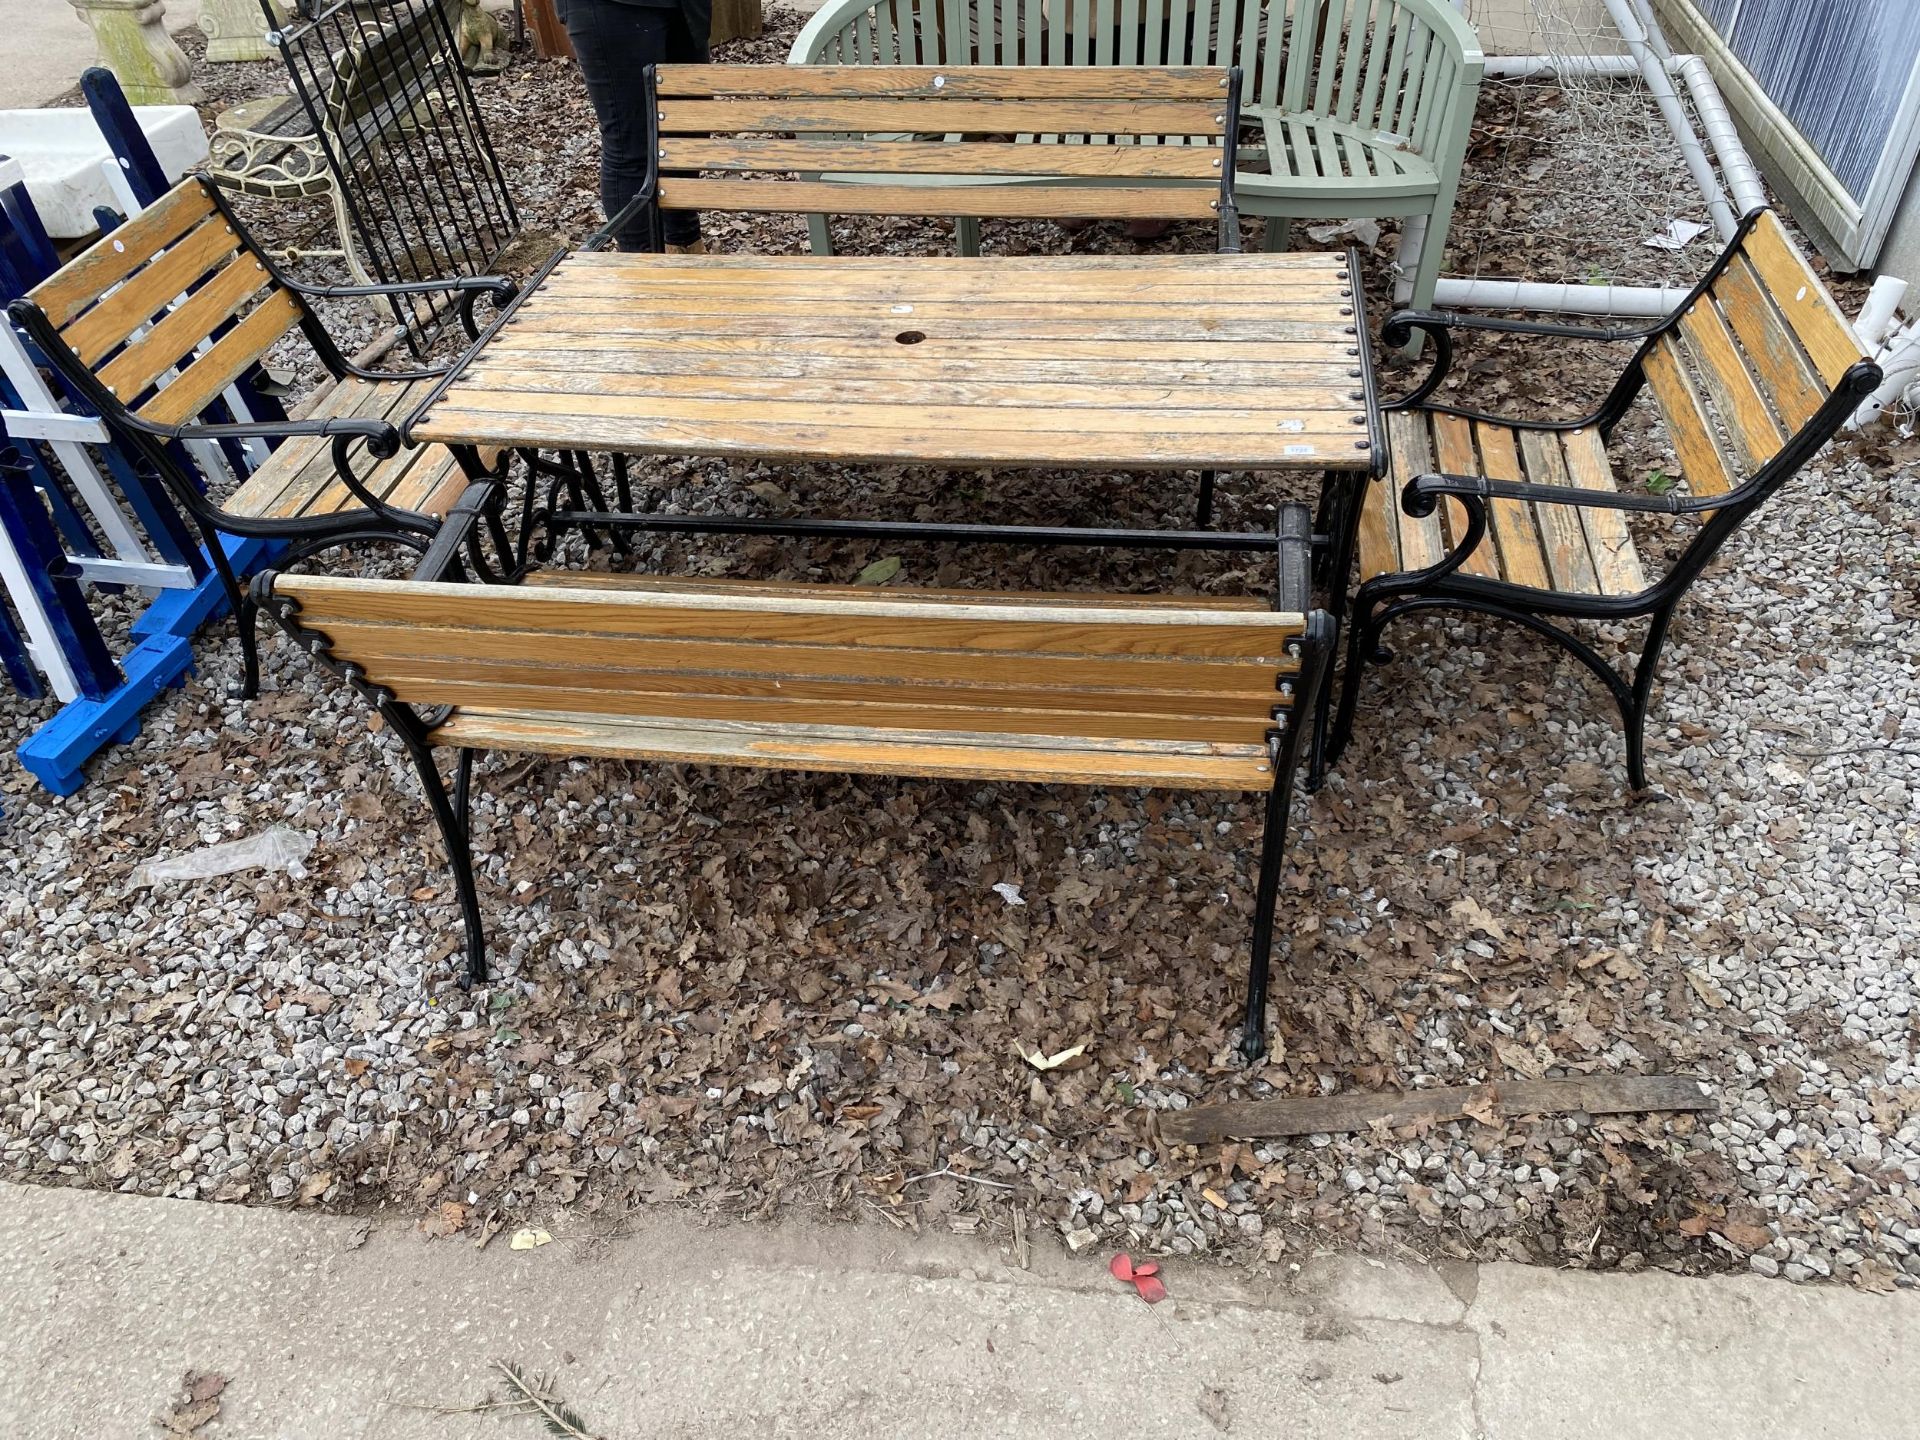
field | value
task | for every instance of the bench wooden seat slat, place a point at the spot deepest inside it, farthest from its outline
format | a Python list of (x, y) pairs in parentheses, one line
[(1538, 545), (861, 752), (299, 478), (1117, 82)]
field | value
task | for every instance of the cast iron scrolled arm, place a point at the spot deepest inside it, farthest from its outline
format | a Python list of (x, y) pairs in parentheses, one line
[(383, 441), (393, 514), (1420, 504), (1439, 325)]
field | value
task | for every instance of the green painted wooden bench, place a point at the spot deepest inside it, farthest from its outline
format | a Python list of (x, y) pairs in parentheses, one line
[(1363, 107)]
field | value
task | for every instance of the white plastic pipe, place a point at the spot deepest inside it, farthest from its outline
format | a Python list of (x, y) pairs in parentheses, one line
[(1635, 302), (1660, 84), (1900, 364), (1876, 315)]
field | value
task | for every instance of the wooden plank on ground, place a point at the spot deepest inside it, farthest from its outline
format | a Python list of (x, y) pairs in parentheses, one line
[(1335, 1114)]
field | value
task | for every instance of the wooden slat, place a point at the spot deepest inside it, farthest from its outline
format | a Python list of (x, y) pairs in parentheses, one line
[(1702, 460), (1070, 323), (797, 283), (1616, 563), (1224, 450), (1721, 371), (1562, 536), (925, 387), (1454, 454), (1384, 1111), (1176, 361), (828, 621), (302, 466), (1193, 267), (108, 324), (379, 643), (685, 309), (114, 257), (1252, 703), (920, 157), (199, 384), (875, 710), (1319, 416), (1421, 544), (855, 752), (1080, 82), (1379, 532), (848, 364), (1803, 300), (919, 594), (972, 117), (1115, 202), (432, 486), (1522, 558), (1788, 376), (175, 336)]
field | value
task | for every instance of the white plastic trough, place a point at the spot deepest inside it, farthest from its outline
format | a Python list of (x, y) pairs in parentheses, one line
[(62, 156)]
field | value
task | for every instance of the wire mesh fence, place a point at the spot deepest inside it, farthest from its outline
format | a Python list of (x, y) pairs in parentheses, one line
[(1573, 177)]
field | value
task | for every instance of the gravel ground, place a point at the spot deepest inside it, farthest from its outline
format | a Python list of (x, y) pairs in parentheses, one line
[(744, 991)]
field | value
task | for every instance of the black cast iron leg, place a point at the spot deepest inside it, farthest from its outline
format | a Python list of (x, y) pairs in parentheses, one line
[(1203, 511), (450, 813), (1273, 846), (1634, 717), (1341, 497), (245, 616)]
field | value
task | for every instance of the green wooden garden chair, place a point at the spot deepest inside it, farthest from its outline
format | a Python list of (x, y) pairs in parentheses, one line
[(1363, 107)]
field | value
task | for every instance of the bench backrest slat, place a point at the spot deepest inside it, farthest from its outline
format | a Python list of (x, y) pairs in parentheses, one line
[(147, 301), (923, 121), (1750, 362), (1155, 672)]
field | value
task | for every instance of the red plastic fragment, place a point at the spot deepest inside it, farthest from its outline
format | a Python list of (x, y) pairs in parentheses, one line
[(1142, 1277)]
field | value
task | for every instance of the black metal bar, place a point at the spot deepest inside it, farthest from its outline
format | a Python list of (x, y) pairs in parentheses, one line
[(1314, 648), (932, 531), (1203, 508)]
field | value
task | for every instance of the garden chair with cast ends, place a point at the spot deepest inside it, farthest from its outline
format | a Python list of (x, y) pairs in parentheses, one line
[(1362, 107), (153, 323), (1752, 375)]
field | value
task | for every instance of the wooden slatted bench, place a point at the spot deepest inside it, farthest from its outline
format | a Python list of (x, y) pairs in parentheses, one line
[(1066, 689), (157, 322), (1751, 377), (783, 139)]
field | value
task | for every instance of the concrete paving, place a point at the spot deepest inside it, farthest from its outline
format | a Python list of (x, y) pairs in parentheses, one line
[(663, 1327), (44, 45)]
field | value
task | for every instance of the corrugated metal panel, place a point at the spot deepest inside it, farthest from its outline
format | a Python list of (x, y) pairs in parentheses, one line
[(1839, 71)]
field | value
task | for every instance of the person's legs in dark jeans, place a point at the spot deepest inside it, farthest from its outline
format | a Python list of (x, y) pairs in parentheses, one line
[(614, 43)]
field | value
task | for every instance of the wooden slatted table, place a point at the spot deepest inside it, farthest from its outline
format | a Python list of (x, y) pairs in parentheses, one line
[(1231, 362)]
